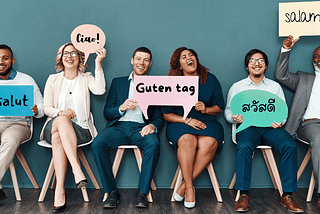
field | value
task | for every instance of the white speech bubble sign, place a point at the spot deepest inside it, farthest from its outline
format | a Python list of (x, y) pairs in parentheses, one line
[(166, 91), (88, 38), (299, 19)]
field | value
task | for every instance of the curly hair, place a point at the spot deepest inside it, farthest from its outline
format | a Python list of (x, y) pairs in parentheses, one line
[(175, 65), (59, 64)]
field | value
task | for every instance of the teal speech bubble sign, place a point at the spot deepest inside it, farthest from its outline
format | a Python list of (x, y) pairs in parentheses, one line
[(258, 108), (16, 100)]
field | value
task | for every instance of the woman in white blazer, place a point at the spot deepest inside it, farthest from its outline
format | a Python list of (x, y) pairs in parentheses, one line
[(69, 122)]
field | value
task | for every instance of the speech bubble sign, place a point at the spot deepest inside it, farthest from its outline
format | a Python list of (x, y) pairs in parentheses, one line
[(88, 38), (16, 100), (258, 108), (166, 90), (299, 19)]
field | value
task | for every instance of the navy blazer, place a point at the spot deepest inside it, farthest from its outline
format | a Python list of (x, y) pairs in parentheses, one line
[(118, 93)]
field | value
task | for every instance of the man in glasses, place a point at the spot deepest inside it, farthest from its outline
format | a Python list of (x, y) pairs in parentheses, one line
[(14, 130), (304, 115), (256, 63)]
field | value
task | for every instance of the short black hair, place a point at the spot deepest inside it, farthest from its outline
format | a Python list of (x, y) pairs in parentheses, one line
[(3, 46), (142, 49), (254, 51)]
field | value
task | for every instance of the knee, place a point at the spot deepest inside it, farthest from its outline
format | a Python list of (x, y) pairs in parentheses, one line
[(244, 147), (188, 141), (60, 120), (291, 146), (152, 145), (98, 144)]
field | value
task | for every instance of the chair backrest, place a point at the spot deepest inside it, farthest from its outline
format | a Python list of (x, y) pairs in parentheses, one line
[(31, 129), (305, 142)]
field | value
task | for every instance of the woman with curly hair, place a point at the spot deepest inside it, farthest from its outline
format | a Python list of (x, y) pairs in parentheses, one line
[(67, 105), (200, 135)]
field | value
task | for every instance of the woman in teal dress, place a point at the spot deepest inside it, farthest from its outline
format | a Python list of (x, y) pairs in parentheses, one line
[(198, 137)]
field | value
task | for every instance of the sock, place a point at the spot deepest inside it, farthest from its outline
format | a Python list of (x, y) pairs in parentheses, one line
[(286, 193), (244, 192)]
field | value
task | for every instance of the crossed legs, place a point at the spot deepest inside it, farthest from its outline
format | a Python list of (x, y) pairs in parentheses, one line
[(64, 149), (194, 153)]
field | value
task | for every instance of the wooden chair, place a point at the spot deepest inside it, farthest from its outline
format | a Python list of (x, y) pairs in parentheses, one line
[(50, 172), (270, 162), (177, 179), (26, 168), (117, 161), (302, 167)]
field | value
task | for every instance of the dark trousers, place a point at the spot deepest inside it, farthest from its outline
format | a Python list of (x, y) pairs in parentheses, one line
[(249, 138), (125, 133)]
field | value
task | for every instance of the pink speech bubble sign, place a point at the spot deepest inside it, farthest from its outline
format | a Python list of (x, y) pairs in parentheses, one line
[(165, 90), (88, 38)]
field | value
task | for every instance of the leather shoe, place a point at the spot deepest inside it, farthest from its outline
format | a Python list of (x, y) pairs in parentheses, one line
[(81, 183), (290, 204), (243, 203), (59, 209), (2, 195), (113, 199), (318, 203), (141, 199)]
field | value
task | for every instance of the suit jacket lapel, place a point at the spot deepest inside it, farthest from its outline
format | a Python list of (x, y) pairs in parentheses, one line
[(310, 81)]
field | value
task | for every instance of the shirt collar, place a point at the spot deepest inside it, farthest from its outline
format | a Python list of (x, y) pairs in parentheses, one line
[(130, 76), (12, 75), (249, 81)]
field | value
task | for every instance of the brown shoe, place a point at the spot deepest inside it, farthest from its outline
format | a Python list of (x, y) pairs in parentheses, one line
[(243, 203), (290, 204), (318, 203)]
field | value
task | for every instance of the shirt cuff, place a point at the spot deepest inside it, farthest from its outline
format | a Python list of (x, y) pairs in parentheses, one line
[(156, 131), (283, 50), (121, 112)]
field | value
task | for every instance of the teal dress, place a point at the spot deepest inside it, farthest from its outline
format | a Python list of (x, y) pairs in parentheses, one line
[(210, 94)]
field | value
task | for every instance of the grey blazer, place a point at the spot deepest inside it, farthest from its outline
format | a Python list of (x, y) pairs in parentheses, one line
[(301, 83)]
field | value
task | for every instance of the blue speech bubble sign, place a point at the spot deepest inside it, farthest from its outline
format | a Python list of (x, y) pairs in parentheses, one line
[(258, 108), (16, 100)]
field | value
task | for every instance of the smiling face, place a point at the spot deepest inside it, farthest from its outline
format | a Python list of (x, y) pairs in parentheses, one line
[(188, 63), (70, 58), (140, 63), (316, 57), (6, 62), (256, 65)]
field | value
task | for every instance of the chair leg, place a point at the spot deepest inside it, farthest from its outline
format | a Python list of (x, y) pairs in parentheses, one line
[(26, 168), (87, 167), (274, 169), (117, 161), (178, 182), (304, 163), (15, 181), (85, 194), (105, 196), (267, 161), (175, 177), (233, 181), (214, 182), (311, 188), (237, 196), (46, 182)]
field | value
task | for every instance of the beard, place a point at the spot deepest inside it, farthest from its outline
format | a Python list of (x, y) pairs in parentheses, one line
[(257, 75), (6, 71)]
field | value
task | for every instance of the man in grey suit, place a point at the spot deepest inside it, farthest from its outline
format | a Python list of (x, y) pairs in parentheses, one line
[(304, 116)]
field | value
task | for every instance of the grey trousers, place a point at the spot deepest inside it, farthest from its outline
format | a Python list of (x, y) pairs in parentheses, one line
[(12, 134), (310, 131)]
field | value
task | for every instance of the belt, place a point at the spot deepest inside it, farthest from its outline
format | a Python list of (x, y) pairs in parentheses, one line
[(311, 119)]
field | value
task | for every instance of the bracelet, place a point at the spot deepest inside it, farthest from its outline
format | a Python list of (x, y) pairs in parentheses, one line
[(189, 120)]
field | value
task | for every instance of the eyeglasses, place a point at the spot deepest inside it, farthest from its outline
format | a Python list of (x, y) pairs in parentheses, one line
[(253, 61), (73, 54)]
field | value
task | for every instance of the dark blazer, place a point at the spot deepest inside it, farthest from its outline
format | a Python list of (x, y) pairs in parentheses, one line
[(118, 93), (301, 83)]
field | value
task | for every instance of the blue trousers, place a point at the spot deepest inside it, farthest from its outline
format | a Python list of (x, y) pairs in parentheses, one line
[(249, 138), (125, 133)]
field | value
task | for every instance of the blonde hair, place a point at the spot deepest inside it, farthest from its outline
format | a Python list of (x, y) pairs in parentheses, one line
[(59, 64)]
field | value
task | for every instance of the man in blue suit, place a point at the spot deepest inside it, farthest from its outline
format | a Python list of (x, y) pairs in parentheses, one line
[(127, 125)]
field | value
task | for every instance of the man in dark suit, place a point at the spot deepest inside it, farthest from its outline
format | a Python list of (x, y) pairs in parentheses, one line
[(304, 116), (127, 125)]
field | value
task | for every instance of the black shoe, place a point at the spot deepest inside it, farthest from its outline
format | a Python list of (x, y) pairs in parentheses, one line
[(59, 209), (82, 183), (113, 199), (2, 195), (141, 199)]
